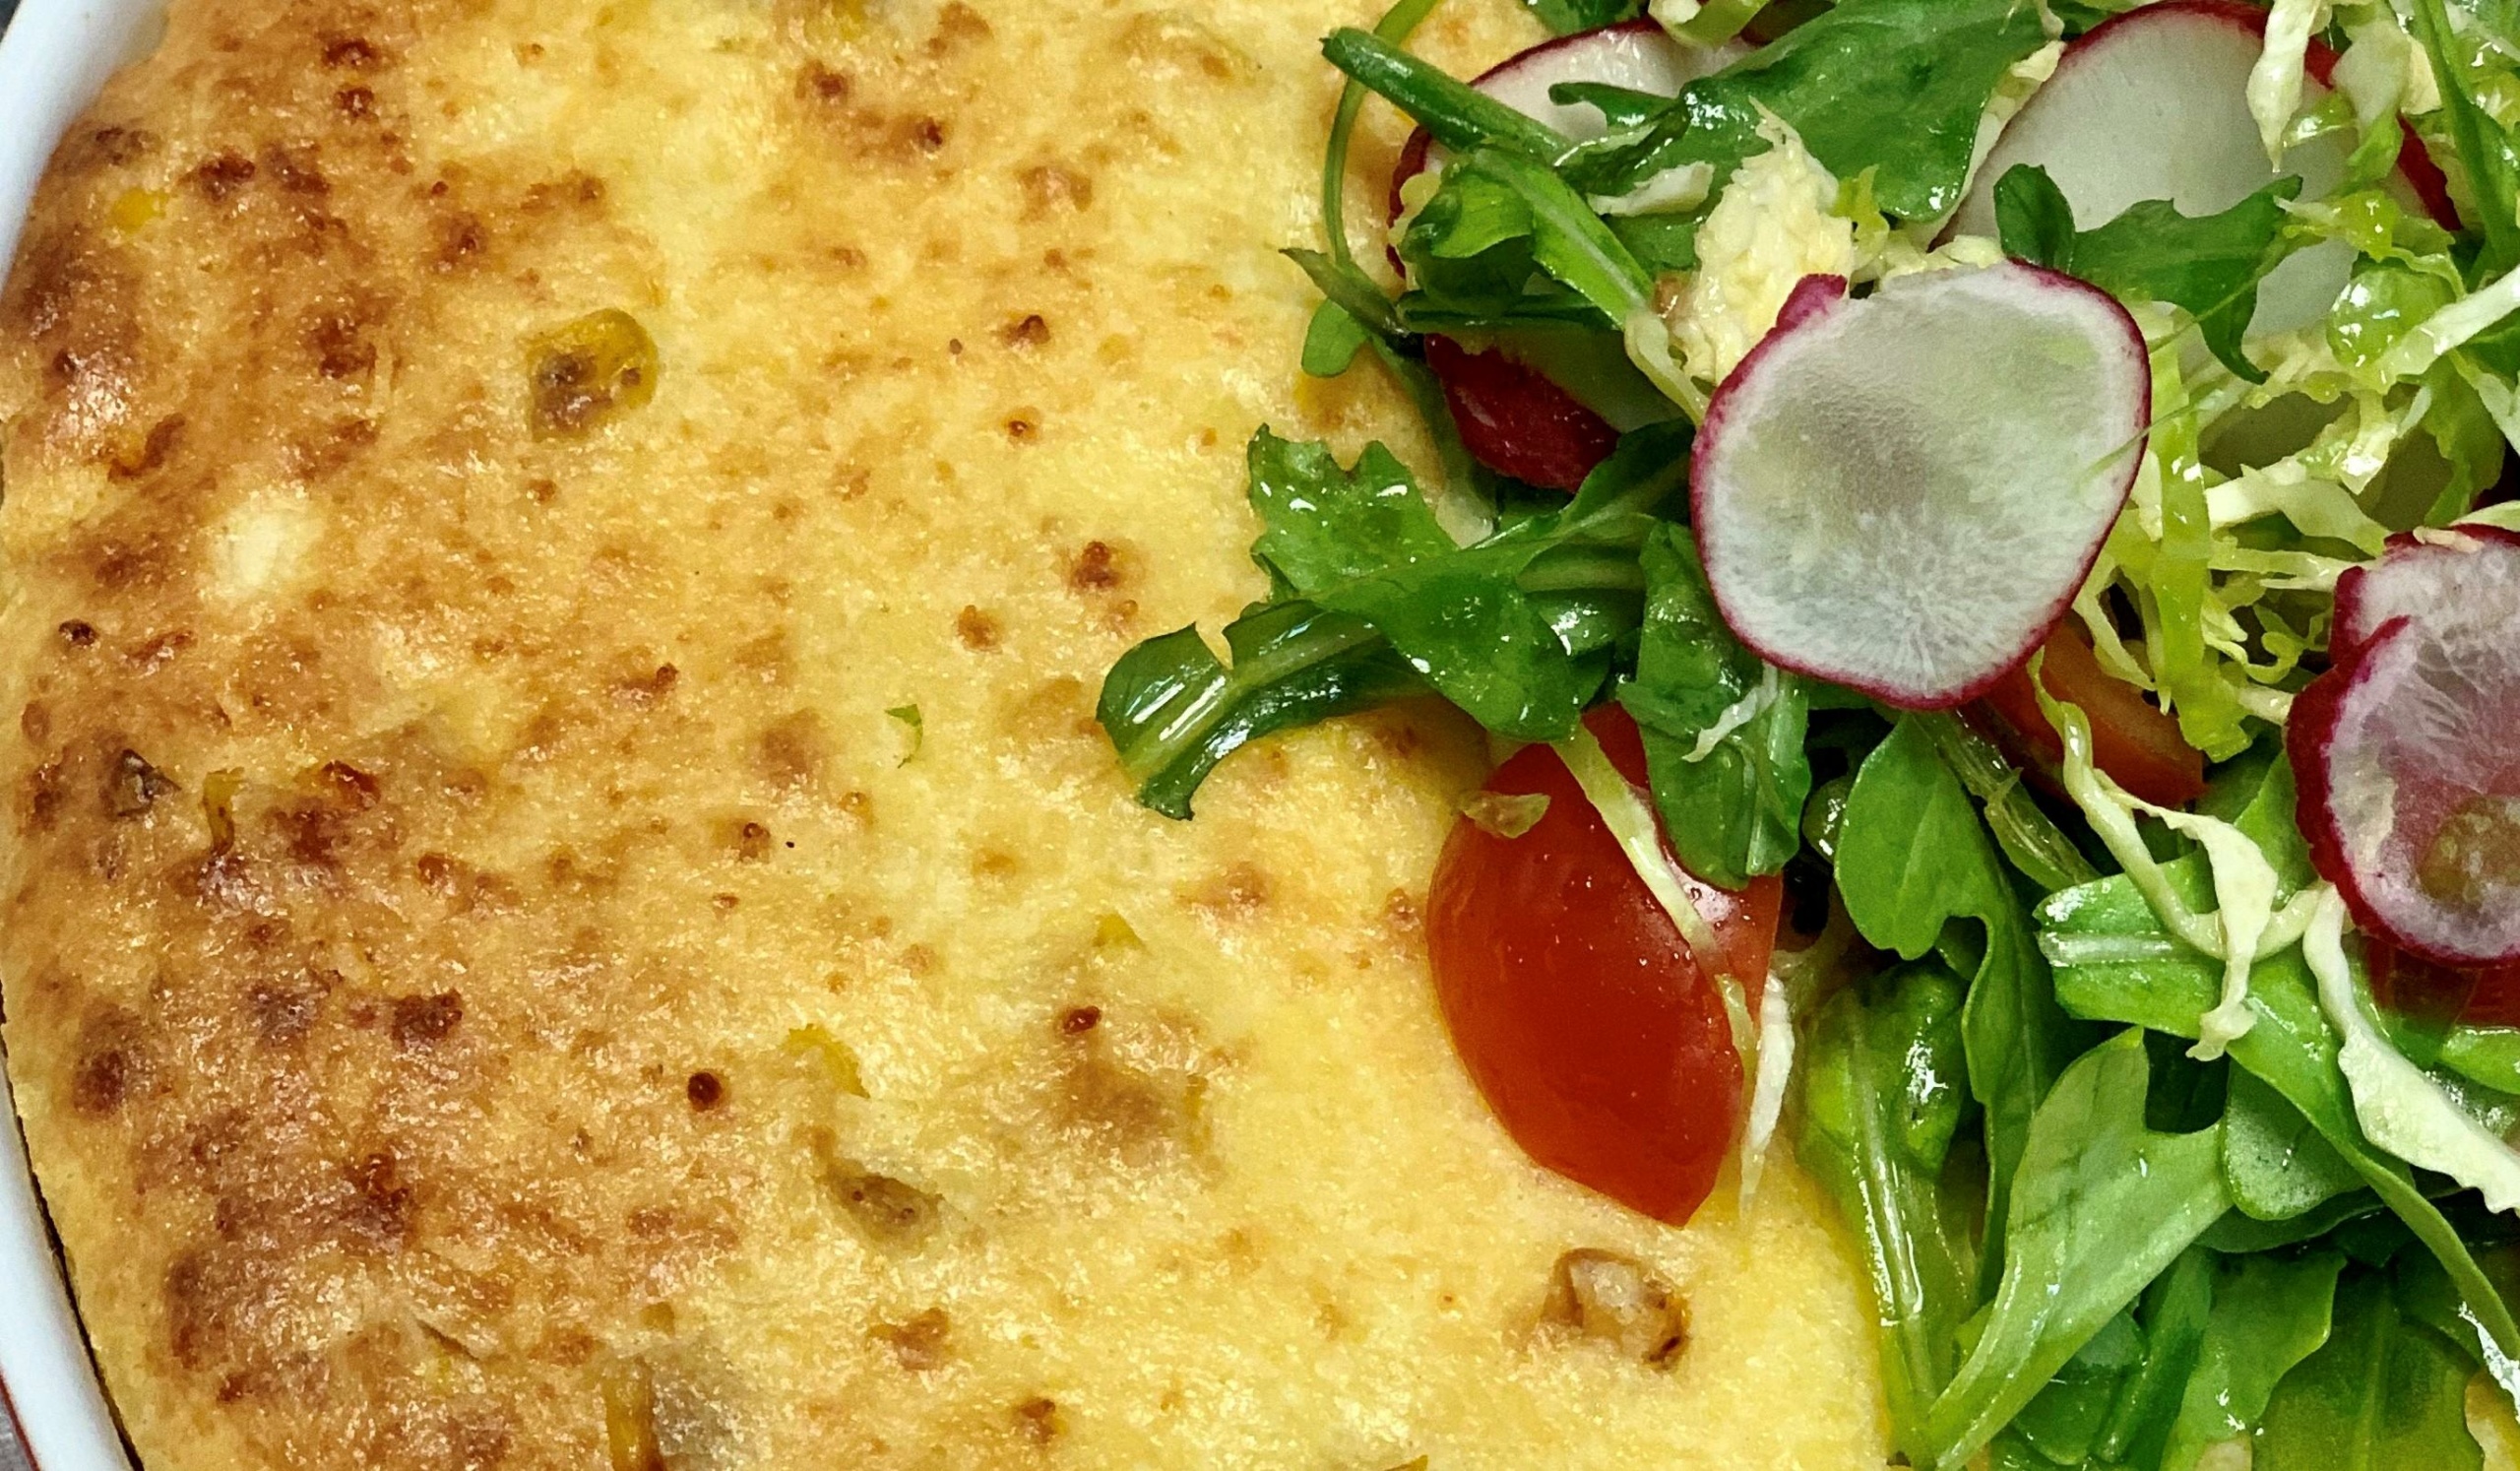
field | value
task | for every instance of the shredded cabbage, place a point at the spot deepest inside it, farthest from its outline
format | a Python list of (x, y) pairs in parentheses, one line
[(1774, 226), (2275, 83), (2244, 928), (2403, 1110)]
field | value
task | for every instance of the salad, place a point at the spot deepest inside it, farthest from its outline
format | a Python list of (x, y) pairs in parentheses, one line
[(1978, 532)]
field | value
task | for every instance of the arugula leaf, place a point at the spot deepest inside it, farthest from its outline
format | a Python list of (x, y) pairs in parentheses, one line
[(1566, 16), (2209, 265), (1495, 219), (2278, 1165), (2177, 1312), (2101, 1206), (2269, 1313), (2115, 963), (1912, 858), (2064, 1421), (1620, 106), (2488, 1054), (1453, 112), (1331, 340), (2386, 1393), (1172, 711), (1892, 86), (1503, 628), (2034, 843), (1723, 732), (1882, 1084)]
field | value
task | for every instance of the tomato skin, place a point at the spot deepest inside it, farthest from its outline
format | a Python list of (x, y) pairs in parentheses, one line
[(1574, 1002), (2131, 739), (1515, 421)]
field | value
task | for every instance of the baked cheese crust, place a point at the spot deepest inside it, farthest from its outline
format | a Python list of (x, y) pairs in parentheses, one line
[(493, 976)]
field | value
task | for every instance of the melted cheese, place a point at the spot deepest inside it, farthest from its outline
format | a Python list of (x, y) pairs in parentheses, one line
[(527, 1006)]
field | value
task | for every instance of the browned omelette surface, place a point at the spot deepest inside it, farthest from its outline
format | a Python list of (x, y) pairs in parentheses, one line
[(488, 983)]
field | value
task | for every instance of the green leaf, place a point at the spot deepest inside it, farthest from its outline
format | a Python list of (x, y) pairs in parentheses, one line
[(2028, 836), (2269, 1313), (1453, 112), (1344, 281), (2488, 1054), (2064, 1421), (2279, 1167), (1172, 711), (2101, 1206), (1333, 340), (1892, 86), (2178, 1311), (1883, 1076), (2115, 963), (1326, 525), (1731, 806), (1913, 858), (1503, 628), (1566, 16), (2209, 265), (2386, 1393), (1568, 240)]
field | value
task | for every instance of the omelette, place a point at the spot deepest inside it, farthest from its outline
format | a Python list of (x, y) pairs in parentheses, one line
[(566, 904)]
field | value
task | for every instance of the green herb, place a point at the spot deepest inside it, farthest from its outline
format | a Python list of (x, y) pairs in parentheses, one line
[(2034, 843), (2386, 1393), (908, 715), (2279, 1167), (2209, 265), (1497, 218), (1172, 711), (2177, 1310), (1482, 623), (1452, 111), (2269, 1313), (1333, 340), (1566, 16), (1723, 732), (2101, 1206), (1892, 86), (1884, 1080), (1911, 859), (2156, 983)]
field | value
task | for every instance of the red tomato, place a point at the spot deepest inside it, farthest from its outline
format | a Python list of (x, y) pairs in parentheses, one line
[(1575, 1003), (2130, 737), (2441, 995), (1515, 421)]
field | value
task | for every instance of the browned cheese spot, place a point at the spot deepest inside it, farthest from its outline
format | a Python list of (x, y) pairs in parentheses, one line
[(132, 785), (978, 632), (1040, 1420), (919, 1343), (426, 1021), (1052, 187), (1617, 1300), (705, 1090), (587, 371), (892, 1213)]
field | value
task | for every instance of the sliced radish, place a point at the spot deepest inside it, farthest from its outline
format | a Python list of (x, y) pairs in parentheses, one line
[(1900, 493), (2422, 573), (1513, 417), (2153, 104), (2404, 752)]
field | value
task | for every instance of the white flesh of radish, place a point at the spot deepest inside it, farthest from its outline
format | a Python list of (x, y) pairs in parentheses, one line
[(1901, 493), (2155, 105), (2420, 764)]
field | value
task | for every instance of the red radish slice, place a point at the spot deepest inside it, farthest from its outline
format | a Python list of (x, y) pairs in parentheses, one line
[(1512, 417), (1901, 493), (2153, 104), (2404, 753), (2422, 574)]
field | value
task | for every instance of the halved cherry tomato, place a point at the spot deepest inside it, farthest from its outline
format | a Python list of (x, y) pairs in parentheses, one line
[(1573, 1000), (1515, 421), (2130, 737), (2440, 994)]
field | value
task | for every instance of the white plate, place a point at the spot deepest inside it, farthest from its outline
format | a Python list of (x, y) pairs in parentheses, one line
[(55, 57)]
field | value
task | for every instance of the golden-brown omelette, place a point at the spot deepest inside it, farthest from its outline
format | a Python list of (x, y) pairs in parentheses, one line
[(489, 984)]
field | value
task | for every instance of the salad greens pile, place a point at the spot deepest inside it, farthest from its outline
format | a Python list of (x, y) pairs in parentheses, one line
[(2136, 1163)]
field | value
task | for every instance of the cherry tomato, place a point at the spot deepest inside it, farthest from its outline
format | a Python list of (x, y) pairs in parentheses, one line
[(2130, 737), (1573, 1000), (1517, 421)]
